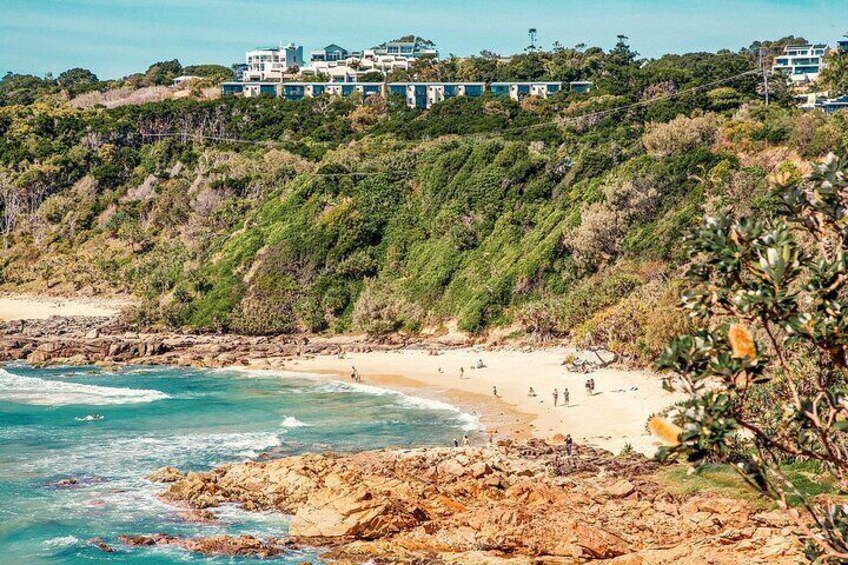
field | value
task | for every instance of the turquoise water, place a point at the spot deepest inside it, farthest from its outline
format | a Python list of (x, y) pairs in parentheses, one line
[(109, 429)]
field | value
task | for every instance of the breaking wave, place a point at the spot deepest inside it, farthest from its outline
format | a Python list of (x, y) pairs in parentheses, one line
[(41, 392), (292, 422)]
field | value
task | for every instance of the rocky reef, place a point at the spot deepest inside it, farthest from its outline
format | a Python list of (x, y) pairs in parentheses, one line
[(527, 503), (83, 340)]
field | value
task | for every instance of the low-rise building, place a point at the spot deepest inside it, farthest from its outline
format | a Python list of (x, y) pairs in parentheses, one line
[(580, 86), (801, 63), (520, 90), (407, 49), (185, 78), (271, 63), (422, 95)]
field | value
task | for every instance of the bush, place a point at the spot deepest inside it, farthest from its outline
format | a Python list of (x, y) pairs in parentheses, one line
[(604, 224), (679, 135), (771, 297)]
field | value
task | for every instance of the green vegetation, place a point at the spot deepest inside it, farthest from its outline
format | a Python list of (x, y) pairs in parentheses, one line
[(724, 480), (765, 369), (342, 215)]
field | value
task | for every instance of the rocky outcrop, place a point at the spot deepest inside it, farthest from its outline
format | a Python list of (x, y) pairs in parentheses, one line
[(85, 340), (526, 503), (231, 546)]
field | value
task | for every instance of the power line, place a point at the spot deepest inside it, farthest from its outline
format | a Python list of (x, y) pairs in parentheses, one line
[(610, 111), (560, 121)]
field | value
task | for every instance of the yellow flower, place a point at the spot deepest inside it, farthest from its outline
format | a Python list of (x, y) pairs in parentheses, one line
[(741, 342), (665, 431)]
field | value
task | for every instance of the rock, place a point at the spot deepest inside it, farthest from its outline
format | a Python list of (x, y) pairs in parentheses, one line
[(621, 489), (164, 475), (92, 334), (597, 543), (231, 546), (100, 544), (198, 517)]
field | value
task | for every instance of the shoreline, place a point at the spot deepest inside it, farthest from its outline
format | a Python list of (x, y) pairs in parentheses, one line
[(612, 418), (492, 416)]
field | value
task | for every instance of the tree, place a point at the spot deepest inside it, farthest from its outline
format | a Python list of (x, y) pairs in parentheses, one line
[(215, 73), (163, 72), (766, 374), (834, 77), (77, 81)]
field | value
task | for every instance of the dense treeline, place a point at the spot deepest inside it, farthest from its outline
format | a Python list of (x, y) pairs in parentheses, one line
[(347, 215)]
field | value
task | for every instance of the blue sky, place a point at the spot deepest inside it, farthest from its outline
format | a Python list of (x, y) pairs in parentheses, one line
[(117, 37)]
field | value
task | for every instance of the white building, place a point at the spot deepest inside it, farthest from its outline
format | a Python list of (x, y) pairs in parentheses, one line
[(272, 63), (801, 63), (339, 64)]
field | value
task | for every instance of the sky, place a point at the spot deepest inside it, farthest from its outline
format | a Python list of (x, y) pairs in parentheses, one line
[(114, 38)]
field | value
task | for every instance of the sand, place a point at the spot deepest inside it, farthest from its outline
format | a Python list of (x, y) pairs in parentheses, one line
[(614, 416), (31, 307)]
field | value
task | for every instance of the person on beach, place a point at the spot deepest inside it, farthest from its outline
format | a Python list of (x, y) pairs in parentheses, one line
[(466, 441), (462, 372), (592, 386), (353, 374), (531, 393), (589, 387), (556, 396), (569, 444), (480, 364), (565, 397), (455, 442), (495, 391)]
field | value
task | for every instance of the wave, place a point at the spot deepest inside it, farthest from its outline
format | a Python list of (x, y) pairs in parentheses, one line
[(41, 392), (63, 541), (468, 422), (292, 422), (89, 418)]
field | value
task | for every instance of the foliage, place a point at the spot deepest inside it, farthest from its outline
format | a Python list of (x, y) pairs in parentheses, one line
[(766, 373)]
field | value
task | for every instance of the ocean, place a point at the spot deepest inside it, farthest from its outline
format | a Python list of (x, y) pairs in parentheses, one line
[(108, 429)]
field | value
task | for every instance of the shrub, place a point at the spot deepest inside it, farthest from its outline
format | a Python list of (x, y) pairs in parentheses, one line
[(604, 224), (772, 295), (679, 135)]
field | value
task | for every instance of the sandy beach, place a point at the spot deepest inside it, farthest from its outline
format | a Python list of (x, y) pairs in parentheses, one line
[(611, 418), (29, 307)]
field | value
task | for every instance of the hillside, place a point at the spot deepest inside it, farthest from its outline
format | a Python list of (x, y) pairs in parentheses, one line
[(262, 216)]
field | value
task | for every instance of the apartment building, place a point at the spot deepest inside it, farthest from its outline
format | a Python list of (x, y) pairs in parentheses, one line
[(801, 63), (271, 63), (422, 95), (518, 91)]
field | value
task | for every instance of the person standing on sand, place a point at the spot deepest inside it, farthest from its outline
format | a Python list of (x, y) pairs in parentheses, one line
[(589, 387), (495, 391), (462, 372), (466, 441), (569, 444), (531, 393), (556, 396), (565, 397), (455, 442)]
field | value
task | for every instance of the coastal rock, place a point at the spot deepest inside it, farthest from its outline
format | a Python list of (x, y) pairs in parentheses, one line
[(100, 544), (519, 503), (164, 475), (230, 546)]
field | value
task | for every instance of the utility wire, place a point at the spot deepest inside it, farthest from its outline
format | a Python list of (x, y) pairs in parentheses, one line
[(560, 121)]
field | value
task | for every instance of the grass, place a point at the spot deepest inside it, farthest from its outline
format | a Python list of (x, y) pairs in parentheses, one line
[(724, 480)]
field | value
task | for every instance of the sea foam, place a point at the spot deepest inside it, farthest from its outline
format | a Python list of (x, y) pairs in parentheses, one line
[(468, 422), (292, 422), (42, 392)]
